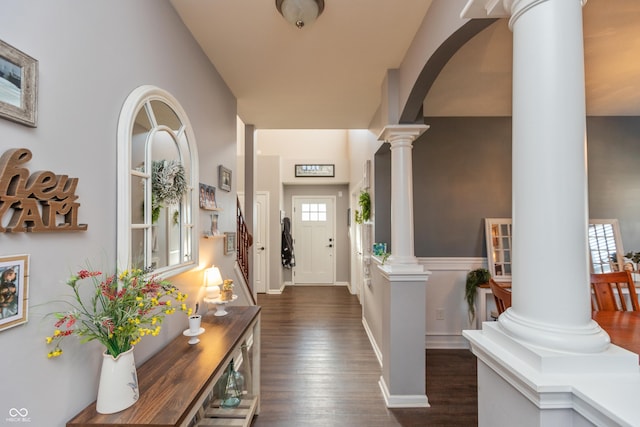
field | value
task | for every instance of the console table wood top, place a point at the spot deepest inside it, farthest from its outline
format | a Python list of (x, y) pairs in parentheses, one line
[(173, 379)]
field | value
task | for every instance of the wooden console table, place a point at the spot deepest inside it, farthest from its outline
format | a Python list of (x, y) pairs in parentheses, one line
[(178, 384)]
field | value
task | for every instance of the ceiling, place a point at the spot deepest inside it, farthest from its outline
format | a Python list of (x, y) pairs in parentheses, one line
[(328, 75)]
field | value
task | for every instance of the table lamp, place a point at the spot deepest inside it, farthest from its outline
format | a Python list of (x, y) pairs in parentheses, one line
[(212, 282)]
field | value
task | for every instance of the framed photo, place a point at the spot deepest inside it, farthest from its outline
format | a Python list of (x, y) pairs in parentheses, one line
[(208, 197), (224, 178), (18, 85), (229, 242), (309, 170), (14, 290), (214, 225)]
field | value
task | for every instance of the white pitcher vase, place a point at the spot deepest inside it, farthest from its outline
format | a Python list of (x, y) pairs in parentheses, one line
[(118, 388)]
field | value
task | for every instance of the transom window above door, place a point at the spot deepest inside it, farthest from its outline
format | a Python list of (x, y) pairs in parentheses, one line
[(314, 212)]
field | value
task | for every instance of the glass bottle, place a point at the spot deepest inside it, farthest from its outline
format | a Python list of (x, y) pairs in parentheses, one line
[(233, 385)]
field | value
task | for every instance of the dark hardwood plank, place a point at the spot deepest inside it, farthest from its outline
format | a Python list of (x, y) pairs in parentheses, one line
[(318, 368)]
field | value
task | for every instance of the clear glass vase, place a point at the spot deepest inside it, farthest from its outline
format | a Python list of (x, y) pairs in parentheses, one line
[(232, 387)]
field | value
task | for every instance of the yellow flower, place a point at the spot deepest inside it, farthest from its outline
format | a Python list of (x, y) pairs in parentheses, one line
[(154, 320), (189, 312), (168, 302), (49, 339), (55, 353), (56, 333)]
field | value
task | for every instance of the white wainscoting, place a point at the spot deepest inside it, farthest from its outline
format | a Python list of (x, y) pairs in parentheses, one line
[(446, 309)]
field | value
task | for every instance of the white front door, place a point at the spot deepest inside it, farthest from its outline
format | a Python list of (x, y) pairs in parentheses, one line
[(314, 239)]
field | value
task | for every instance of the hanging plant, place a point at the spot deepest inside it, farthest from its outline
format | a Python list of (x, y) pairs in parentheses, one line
[(168, 185), (365, 204)]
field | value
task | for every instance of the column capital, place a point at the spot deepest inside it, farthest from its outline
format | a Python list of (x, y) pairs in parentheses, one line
[(392, 133), (500, 8)]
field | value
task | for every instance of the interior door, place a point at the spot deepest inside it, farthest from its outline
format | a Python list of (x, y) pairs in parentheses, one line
[(314, 242), (261, 237), (260, 240)]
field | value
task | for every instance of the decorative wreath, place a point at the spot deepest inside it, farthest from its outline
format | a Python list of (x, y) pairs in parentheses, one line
[(168, 183)]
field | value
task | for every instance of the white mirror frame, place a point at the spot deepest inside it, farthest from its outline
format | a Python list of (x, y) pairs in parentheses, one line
[(134, 102)]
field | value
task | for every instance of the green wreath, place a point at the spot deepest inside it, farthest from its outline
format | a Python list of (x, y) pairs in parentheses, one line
[(168, 185)]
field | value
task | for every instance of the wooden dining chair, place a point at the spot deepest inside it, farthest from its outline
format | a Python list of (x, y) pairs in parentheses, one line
[(607, 291), (501, 295)]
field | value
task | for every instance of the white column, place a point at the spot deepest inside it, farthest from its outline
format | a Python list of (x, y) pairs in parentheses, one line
[(551, 295), (400, 137)]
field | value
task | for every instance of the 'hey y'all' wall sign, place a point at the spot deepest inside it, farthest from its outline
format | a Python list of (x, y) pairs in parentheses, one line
[(35, 202)]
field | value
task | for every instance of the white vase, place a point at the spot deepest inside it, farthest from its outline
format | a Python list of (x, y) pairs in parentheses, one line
[(118, 388)]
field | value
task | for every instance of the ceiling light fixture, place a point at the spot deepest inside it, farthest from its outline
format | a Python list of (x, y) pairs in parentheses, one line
[(300, 12)]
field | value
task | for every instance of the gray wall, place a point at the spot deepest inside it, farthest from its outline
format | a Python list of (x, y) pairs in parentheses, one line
[(91, 56), (342, 254), (462, 174), (613, 147)]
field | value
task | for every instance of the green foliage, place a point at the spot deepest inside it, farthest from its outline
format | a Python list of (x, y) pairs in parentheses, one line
[(365, 204), (475, 278), (358, 217)]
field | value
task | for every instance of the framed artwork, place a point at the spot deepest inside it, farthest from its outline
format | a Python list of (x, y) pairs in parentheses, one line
[(214, 225), (18, 85), (309, 170), (224, 178), (208, 197), (14, 290), (229, 242)]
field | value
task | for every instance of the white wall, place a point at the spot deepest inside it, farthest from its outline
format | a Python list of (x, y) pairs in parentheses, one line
[(91, 56), (307, 146)]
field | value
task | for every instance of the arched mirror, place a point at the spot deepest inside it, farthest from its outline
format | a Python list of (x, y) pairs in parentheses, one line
[(157, 170)]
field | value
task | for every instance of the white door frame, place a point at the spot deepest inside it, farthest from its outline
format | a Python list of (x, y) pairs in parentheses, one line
[(260, 254), (264, 281), (333, 231)]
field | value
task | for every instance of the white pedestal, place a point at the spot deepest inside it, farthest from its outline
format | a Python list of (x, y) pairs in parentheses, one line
[(220, 310)]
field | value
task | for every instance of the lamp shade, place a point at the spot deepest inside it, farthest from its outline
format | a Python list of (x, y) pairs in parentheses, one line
[(212, 282), (300, 12)]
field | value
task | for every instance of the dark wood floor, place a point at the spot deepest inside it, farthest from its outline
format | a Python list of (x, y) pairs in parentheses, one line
[(318, 368)]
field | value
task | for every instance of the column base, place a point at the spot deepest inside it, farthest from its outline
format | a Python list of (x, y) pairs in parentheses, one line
[(402, 401), (544, 388), (590, 338)]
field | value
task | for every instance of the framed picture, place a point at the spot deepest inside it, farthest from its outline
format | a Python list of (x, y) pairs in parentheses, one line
[(229, 242), (224, 178), (214, 225), (309, 170), (208, 197), (18, 85), (14, 290)]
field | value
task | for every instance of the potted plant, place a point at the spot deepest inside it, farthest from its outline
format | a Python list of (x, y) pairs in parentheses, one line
[(116, 310), (475, 278)]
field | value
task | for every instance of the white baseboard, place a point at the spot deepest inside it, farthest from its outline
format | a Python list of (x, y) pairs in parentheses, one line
[(403, 400), (374, 345), (445, 342)]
